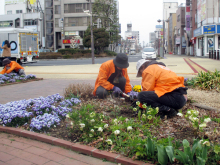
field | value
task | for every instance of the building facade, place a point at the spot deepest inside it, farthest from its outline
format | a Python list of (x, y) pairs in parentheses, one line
[(171, 27), (152, 38), (207, 34), (169, 6), (180, 38)]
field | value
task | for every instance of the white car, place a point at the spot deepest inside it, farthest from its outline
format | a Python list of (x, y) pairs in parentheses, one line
[(149, 53)]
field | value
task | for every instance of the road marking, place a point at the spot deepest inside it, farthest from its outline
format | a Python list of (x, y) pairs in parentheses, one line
[(194, 66)]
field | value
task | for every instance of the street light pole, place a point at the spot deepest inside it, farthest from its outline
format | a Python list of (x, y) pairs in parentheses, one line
[(92, 40)]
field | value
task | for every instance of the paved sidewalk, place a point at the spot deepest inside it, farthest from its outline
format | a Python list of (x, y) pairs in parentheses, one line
[(16, 150)]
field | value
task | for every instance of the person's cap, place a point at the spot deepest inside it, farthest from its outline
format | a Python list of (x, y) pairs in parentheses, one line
[(138, 66), (6, 61), (121, 60)]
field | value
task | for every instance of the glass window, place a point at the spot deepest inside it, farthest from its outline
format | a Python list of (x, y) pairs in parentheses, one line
[(75, 21), (18, 11), (149, 50), (75, 8), (211, 44), (218, 42), (9, 12), (57, 9), (57, 22)]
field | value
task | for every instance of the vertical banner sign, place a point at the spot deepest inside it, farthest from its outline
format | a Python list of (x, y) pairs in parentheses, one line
[(187, 22)]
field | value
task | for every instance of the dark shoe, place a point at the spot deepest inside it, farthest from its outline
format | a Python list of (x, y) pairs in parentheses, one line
[(162, 115), (171, 113)]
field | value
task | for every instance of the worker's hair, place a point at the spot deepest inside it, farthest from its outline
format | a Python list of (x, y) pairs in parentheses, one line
[(7, 43)]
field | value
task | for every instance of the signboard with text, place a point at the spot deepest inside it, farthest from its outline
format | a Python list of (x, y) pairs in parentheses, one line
[(14, 1), (209, 29), (197, 32)]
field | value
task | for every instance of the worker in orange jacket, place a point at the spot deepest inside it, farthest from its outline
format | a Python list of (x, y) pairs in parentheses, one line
[(113, 76), (161, 87), (12, 67)]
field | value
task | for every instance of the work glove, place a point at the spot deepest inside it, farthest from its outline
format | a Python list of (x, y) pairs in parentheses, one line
[(116, 90), (133, 94)]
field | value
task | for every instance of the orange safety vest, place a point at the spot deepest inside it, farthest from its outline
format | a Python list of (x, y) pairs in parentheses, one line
[(160, 79), (13, 66), (105, 71)]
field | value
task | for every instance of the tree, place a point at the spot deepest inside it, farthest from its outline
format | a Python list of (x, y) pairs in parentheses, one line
[(101, 39), (106, 11)]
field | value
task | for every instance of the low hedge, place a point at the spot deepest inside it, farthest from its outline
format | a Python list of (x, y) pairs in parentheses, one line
[(73, 53)]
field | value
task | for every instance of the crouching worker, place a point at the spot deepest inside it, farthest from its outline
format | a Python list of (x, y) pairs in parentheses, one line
[(113, 77), (12, 67), (161, 87)]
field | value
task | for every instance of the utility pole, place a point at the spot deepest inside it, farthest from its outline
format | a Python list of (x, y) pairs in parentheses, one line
[(92, 40)]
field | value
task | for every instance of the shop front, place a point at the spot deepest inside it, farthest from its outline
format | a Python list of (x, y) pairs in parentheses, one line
[(199, 42)]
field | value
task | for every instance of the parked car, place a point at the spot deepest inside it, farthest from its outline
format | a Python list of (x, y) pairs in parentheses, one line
[(149, 53)]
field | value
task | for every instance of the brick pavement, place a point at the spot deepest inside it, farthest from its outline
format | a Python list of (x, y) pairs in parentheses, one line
[(17, 150)]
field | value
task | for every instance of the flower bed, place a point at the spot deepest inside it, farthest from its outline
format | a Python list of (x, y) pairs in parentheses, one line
[(14, 78), (192, 137)]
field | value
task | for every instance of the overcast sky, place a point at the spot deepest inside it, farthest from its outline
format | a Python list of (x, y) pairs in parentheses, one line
[(143, 14)]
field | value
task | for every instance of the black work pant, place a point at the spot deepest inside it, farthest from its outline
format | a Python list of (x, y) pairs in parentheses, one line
[(169, 100), (102, 92)]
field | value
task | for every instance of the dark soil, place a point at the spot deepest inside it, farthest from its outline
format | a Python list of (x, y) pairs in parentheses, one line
[(23, 81)]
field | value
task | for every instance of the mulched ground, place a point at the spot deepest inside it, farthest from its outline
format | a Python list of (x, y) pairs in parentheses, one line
[(176, 127)]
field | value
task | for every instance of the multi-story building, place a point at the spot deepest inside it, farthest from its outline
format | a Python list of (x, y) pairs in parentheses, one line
[(180, 38), (20, 14), (208, 29), (131, 37), (152, 38), (169, 6), (171, 28), (192, 40)]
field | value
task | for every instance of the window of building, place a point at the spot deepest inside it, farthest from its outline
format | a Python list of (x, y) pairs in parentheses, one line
[(6, 23), (29, 22), (211, 43), (57, 22), (9, 12), (57, 9), (76, 8), (18, 11), (75, 21)]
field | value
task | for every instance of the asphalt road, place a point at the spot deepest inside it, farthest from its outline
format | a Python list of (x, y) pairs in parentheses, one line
[(82, 61)]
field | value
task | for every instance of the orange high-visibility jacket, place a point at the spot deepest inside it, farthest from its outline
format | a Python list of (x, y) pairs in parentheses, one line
[(13, 66), (105, 71), (160, 79)]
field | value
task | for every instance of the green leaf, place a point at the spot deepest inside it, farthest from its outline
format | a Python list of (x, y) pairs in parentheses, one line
[(150, 146), (200, 161), (184, 158), (217, 149), (185, 143), (204, 153), (170, 153), (162, 155)]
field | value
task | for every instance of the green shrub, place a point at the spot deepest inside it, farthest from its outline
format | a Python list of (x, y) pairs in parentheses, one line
[(206, 80), (110, 53)]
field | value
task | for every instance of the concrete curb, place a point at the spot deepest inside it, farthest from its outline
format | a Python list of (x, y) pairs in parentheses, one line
[(90, 151)]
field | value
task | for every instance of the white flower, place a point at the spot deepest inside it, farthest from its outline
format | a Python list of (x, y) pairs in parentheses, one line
[(67, 116), (55, 126), (90, 135), (116, 132), (106, 126), (157, 109), (129, 128), (203, 125), (180, 114), (109, 141), (71, 123), (207, 120), (92, 121), (191, 118), (82, 125), (100, 129), (195, 119), (144, 116), (115, 121), (126, 119), (135, 109), (207, 143), (92, 114), (189, 112), (196, 112), (144, 106), (92, 130), (138, 103)]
